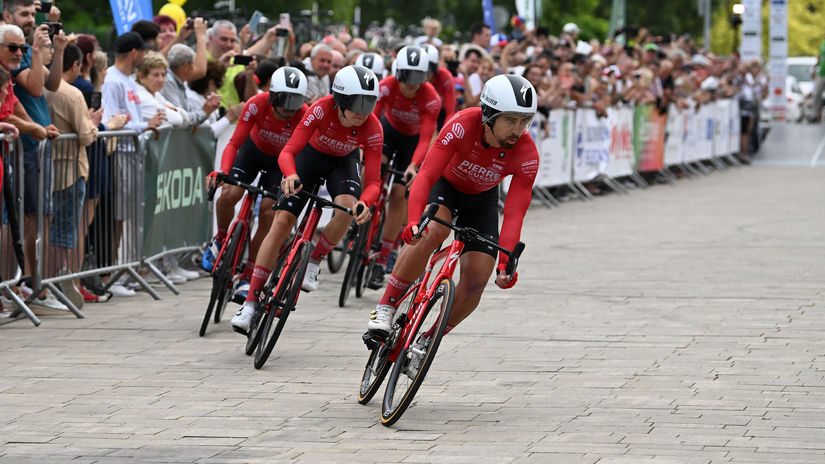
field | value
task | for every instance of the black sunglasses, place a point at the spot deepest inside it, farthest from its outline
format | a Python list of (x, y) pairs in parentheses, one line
[(14, 47)]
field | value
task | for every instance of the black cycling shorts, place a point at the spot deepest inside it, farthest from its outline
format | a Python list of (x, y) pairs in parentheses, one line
[(250, 160), (403, 146), (342, 174), (479, 211)]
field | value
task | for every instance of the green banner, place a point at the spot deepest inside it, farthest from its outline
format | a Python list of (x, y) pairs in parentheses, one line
[(176, 213)]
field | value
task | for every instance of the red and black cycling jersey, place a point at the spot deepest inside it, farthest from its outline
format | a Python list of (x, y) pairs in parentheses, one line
[(324, 132), (269, 134), (410, 116), (444, 85), (462, 157)]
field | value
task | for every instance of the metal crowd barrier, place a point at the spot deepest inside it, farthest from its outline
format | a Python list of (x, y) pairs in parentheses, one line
[(12, 261)]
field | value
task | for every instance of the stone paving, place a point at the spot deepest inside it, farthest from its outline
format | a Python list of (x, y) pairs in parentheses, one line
[(681, 324)]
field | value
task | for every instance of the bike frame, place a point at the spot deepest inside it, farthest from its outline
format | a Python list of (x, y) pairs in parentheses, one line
[(241, 220), (450, 256)]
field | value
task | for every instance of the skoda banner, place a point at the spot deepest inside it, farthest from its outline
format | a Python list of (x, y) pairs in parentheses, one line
[(176, 212)]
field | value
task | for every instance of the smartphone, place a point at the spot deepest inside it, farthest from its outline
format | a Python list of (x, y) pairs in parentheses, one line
[(93, 100), (242, 59), (281, 32), (45, 7), (254, 21), (54, 28), (284, 20), (189, 25)]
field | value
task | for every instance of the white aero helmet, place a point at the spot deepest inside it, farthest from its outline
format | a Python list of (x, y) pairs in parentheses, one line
[(287, 88), (355, 88), (432, 52), (371, 61), (507, 93), (412, 65)]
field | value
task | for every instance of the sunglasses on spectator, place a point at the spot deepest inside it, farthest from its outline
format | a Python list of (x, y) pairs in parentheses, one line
[(14, 47)]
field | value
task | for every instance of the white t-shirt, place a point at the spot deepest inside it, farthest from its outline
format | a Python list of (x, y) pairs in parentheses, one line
[(150, 104), (120, 96)]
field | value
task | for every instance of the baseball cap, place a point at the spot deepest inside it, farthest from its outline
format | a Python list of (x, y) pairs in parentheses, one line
[(129, 41), (651, 47)]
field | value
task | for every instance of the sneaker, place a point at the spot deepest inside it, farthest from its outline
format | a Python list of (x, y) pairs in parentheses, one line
[(72, 293), (90, 297), (210, 255), (120, 291), (391, 261), (311, 277), (94, 285), (241, 290), (187, 274), (417, 352), (175, 277), (381, 319), (48, 301), (242, 319), (376, 277)]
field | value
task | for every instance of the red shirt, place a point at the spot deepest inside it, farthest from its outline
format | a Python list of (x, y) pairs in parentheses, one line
[(410, 116), (7, 107), (268, 133), (321, 128), (445, 86), (462, 157)]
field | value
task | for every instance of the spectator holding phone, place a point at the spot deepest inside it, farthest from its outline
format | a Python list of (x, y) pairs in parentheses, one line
[(150, 77), (181, 59)]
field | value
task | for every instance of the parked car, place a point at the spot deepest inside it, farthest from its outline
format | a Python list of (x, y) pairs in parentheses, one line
[(795, 102)]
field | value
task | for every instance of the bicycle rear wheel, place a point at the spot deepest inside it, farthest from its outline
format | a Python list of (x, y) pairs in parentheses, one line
[(283, 304), (405, 378), (271, 283), (222, 278), (355, 264)]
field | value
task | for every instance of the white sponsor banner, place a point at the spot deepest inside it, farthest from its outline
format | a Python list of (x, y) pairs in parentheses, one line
[(675, 136), (691, 133), (703, 126), (592, 145), (621, 155), (721, 128), (555, 141), (750, 47), (778, 51)]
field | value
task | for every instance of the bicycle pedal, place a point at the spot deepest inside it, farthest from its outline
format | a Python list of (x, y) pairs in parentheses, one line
[(372, 341)]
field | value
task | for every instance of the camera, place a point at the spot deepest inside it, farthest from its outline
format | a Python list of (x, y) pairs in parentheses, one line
[(189, 25), (242, 59), (54, 28), (93, 100), (45, 7)]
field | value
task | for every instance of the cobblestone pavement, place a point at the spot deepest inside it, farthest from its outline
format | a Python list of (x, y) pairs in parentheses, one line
[(679, 324)]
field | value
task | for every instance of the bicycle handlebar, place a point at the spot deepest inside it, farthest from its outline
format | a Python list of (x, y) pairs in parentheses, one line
[(387, 169), (323, 202), (514, 254), (225, 178)]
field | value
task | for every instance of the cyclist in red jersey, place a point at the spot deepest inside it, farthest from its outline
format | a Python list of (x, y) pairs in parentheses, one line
[(265, 126), (325, 145), (444, 84), (474, 151), (410, 107)]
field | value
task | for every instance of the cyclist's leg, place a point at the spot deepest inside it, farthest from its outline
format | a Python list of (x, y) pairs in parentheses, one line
[(282, 224), (476, 269), (394, 222), (225, 208)]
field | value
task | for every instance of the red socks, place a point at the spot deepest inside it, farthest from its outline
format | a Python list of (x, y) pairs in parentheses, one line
[(322, 248), (394, 291), (259, 276), (386, 248)]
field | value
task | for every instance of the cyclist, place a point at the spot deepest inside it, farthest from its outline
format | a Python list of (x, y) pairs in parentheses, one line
[(265, 126), (325, 145), (444, 84), (470, 157), (372, 61), (410, 108)]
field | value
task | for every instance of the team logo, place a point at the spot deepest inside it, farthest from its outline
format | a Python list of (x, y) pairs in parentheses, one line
[(292, 80), (501, 155), (368, 61), (253, 108), (368, 80), (458, 130), (318, 112)]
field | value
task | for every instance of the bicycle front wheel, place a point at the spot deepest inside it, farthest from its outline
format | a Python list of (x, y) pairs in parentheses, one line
[(222, 278), (356, 257), (412, 364), (282, 304), (336, 257)]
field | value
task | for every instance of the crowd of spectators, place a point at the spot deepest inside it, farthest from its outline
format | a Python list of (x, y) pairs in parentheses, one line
[(168, 74)]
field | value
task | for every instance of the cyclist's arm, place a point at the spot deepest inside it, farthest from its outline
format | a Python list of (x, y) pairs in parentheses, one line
[(300, 138), (515, 207), (245, 124), (433, 167), (379, 105), (372, 163), (448, 99), (425, 136)]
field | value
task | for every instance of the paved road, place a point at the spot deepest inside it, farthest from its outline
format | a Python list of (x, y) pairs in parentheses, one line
[(680, 324)]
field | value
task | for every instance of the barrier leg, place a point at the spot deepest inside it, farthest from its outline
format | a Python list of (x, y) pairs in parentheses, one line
[(161, 277), (701, 167), (62, 298), (21, 307), (540, 196), (151, 291), (720, 165), (669, 177), (549, 196), (734, 161), (614, 185), (576, 192), (639, 180), (581, 188)]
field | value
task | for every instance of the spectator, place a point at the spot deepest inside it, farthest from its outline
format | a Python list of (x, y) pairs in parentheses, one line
[(470, 64), (71, 167), (432, 27), (336, 65), (819, 86), (480, 34), (168, 32), (319, 63), (181, 60), (222, 126), (221, 39), (87, 44), (148, 31), (358, 44), (150, 76)]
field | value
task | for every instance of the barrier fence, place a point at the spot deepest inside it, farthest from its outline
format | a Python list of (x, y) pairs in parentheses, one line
[(129, 199)]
